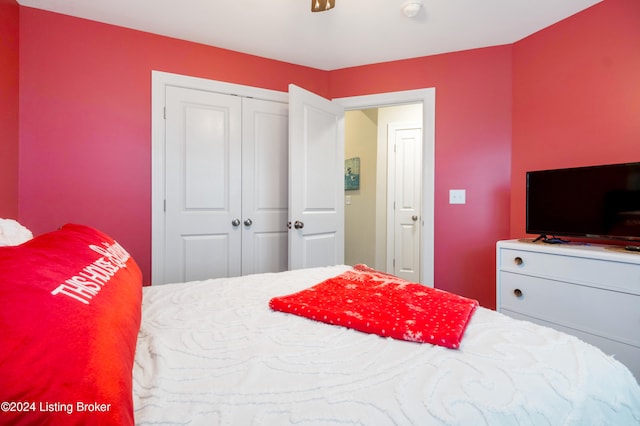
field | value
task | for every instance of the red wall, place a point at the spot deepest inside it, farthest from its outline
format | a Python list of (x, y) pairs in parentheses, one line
[(9, 47), (472, 152), (576, 96), (85, 122)]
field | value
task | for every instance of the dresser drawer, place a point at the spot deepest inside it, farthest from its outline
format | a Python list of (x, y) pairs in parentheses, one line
[(601, 312), (614, 275)]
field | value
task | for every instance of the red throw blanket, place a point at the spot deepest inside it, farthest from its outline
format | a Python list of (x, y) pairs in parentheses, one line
[(375, 302)]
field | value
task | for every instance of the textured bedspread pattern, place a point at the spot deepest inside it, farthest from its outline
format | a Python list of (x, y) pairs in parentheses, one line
[(375, 302), (213, 353)]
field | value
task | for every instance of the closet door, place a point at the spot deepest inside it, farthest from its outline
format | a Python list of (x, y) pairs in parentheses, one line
[(264, 186), (316, 180), (203, 185)]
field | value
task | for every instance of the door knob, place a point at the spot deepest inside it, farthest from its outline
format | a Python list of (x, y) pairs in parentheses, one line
[(414, 218), (248, 222), (235, 222), (298, 225)]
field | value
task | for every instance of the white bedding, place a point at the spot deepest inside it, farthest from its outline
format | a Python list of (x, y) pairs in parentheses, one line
[(212, 352)]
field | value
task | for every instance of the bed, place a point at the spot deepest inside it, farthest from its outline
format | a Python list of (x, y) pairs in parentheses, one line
[(217, 352)]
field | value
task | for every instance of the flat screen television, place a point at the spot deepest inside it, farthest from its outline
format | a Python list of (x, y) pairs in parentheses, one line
[(591, 202)]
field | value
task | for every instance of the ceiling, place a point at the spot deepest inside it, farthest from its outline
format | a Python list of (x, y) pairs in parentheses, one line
[(355, 32)]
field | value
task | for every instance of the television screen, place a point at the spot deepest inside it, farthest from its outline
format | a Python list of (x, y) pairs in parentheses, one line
[(593, 202)]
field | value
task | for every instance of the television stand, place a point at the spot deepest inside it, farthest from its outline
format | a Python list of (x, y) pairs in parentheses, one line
[(591, 291)]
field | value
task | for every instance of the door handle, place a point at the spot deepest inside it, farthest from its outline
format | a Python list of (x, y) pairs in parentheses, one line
[(298, 225), (248, 222), (414, 218), (235, 222)]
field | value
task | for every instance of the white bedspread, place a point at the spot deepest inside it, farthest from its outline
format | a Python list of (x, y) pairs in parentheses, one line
[(213, 353)]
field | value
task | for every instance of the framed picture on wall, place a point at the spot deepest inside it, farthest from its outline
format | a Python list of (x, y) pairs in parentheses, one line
[(352, 173)]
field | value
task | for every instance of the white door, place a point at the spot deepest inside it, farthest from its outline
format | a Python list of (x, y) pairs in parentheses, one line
[(265, 195), (405, 145), (316, 185), (202, 185)]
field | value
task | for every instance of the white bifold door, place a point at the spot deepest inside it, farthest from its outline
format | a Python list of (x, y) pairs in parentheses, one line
[(242, 197), (226, 185)]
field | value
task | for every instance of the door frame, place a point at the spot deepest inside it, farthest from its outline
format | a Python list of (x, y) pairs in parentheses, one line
[(427, 97), (159, 81)]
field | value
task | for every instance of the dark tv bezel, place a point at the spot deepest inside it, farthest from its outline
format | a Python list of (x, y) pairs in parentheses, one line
[(561, 233)]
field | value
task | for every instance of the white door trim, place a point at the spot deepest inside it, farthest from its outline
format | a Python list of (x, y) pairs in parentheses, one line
[(428, 98), (159, 81)]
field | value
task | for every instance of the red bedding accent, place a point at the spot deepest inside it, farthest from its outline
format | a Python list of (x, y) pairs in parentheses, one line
[(70, 306), (375, 302)]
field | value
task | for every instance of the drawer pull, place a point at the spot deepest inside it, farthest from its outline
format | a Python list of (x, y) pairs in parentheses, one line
[(517, 292), (518, 260)]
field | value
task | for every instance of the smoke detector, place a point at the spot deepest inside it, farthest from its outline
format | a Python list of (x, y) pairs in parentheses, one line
[(411, 8)]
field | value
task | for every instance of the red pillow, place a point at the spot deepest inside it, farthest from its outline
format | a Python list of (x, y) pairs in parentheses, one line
[(376, 302), (70, 304)]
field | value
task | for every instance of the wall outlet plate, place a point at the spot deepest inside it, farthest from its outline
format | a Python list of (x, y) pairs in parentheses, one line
[(457, 196)]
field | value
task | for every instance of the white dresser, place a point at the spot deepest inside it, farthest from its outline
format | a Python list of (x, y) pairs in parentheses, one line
[(590, 291)]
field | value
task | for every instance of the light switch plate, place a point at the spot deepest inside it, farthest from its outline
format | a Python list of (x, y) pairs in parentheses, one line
[(457, 196)]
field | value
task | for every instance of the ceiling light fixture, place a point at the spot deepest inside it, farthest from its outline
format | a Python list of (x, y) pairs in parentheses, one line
[(411, 8), (322, 5)]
